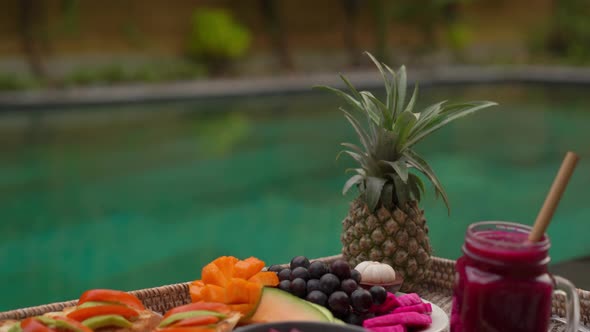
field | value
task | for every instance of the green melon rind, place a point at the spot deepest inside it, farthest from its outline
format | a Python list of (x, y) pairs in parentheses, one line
[(338, 321), (57, 324), (324, 311), (190, 314), (106, 320), (274, 298), (15, 328)]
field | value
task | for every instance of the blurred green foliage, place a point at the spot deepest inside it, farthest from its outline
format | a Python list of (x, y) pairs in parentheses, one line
[(133, 35), (109, 74), (14, 82), (216, 38), (70, 11), (118, 73), (567, 34), (458, 35), (433, 16)]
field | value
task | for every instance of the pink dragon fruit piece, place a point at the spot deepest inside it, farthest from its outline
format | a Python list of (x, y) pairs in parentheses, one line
[(423, 308), (387, 306), (408, 319), (409, 299), (393, 328)]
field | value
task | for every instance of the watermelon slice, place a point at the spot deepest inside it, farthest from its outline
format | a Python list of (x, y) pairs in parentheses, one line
[(394, 328), (408, 319), (422, 308), (409, 299)]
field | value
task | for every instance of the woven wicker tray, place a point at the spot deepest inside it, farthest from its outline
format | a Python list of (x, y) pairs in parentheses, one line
[(437, 288)]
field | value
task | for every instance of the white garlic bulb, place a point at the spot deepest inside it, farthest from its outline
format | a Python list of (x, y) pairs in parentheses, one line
[(375, 272)]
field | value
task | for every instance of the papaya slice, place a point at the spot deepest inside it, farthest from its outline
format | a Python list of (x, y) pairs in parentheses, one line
[(236, 283), (265, 279), (254, 292), (195, 293), (213, 275), (248, 267), (214, 293), (195, 289), (239, 291), (198, 283), (226, 265)]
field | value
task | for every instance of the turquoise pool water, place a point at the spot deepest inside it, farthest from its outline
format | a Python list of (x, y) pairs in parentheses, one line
[(137, 196)]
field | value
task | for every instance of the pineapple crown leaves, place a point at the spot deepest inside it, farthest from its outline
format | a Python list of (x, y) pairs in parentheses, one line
[(385, 155)]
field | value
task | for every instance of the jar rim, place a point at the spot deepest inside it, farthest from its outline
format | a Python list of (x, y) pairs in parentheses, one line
[(475, 238)]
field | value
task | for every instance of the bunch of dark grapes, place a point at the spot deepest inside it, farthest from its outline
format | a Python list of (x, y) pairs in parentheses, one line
[(335, 287)]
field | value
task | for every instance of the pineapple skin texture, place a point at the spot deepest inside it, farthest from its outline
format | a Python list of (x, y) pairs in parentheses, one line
[(396, 237)]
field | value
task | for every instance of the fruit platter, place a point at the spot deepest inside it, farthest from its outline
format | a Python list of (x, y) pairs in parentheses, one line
[(244, 294)]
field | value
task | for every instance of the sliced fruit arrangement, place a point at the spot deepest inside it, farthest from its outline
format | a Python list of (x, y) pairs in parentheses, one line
[(47, 324), (107, 308), (334, 286), (237, 283), (197, 317), (233, 291)]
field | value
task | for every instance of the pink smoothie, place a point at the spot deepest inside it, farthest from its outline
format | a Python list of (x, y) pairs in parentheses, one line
[(502, 282)]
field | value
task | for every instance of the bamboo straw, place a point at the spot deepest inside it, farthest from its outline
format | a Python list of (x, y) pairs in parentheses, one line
[(561, 180)]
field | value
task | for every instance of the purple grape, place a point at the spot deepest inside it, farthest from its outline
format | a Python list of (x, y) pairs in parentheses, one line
[(285, 285), (379, 294), (348, 286), (275, 268), (355, 275), (329, 283), (299, 261), (341, 269), (317, 297), (361, 300), (317, 269), (285, 274), (339, 304), (313, 284), (300, 272), (298, 287), (354, 319)]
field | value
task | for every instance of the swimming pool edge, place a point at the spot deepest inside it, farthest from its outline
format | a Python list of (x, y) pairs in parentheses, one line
[(284, 84)]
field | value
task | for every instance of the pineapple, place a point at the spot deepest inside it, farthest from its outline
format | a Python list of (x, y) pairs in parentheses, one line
[(385, 222)]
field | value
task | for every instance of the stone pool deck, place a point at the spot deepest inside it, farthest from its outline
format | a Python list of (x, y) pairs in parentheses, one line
[(295, 83)]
